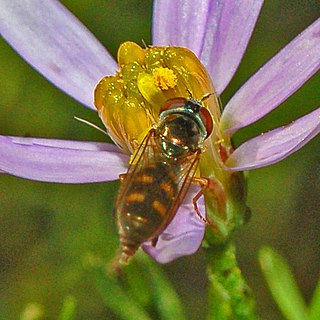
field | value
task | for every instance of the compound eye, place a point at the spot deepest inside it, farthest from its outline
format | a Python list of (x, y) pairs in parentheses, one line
[(174, 103), (206, 118)]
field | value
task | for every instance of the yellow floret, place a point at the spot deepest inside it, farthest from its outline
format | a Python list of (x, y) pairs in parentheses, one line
[(164, 78)]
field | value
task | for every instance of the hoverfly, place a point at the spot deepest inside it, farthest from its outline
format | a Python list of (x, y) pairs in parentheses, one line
[(160, 173)]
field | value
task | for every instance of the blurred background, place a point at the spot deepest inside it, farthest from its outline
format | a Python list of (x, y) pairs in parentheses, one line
[(46, 229)]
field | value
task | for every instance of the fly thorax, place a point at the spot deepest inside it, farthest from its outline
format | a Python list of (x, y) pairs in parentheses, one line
[(179, 134)]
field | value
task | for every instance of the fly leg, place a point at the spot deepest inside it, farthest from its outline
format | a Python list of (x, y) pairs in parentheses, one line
[(203, 183), (215, 194)]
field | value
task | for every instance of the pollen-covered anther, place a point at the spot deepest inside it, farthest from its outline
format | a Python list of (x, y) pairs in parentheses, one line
[(164, 78)]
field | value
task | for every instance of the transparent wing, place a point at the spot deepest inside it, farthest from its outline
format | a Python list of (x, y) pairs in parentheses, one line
[(163, 180)]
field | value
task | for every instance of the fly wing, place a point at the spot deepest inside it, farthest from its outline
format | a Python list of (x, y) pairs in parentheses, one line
[(162, 181), (144, 156), (184, 172)]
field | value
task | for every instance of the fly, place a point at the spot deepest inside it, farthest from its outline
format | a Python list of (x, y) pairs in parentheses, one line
[(160, 173)]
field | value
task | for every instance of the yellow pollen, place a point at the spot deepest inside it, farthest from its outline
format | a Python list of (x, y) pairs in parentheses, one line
[(164, 78)]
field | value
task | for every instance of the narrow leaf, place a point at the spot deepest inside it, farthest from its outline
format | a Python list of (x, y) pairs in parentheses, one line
[(138, 287), (165, 297), (68, 310), (314, 308), (282, 285), (32, 311), (116, 299)]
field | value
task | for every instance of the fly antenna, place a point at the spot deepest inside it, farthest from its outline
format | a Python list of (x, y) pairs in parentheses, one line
[(90, 124), (145, 45), (206, 96), (189, 92)]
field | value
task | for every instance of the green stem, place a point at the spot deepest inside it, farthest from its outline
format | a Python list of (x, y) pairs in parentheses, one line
[(229, 295)]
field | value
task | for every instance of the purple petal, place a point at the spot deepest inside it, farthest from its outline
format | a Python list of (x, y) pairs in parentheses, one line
[(180, 23), (60, 160), (229, 28), (55, 43), (183, 236), (275, 81), (275, 145)]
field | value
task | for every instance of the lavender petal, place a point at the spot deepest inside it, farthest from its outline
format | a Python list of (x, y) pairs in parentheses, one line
[(275, 81), (60, 160), (180, 23), (275, 145), (229, 28), (55, 43), (183, 236)]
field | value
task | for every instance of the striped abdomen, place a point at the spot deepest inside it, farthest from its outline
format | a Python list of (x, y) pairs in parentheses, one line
[(145, 205)]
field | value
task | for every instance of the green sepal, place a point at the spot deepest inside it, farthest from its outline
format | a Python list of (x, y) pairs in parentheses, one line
[(233, 214)]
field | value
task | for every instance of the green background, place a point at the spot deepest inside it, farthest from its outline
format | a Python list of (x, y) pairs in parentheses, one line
[(47, 230)]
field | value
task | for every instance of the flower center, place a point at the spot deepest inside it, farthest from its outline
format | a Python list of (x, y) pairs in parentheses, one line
[(164, 78), (130, 101)]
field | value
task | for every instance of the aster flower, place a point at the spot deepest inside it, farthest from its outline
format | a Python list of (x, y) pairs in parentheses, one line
[(55, 43)]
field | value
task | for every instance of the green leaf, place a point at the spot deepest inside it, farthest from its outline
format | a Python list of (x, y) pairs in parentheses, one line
[(32, 311), (229, 295), (166, 298), (68, 310), (138, 286), (116, 299), (314, 308), (282, 285)]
